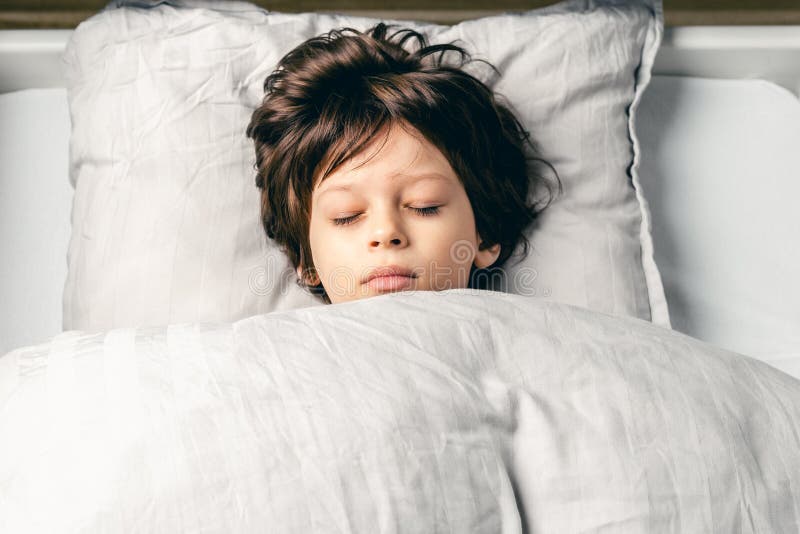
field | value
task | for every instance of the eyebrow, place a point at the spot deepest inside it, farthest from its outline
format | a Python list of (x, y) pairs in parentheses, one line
[(409, 178)]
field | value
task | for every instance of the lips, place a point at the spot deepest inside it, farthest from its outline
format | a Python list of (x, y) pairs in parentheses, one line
[(389, 271)]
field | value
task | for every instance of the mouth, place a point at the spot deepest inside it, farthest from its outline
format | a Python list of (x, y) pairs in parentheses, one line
[(390, 278)]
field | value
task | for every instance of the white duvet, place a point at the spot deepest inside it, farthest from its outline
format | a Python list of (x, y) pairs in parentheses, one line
[(462, 411)]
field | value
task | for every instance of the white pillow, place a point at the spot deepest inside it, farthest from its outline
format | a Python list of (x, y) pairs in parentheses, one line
[(34, 214), (165, 220), (722, 174)]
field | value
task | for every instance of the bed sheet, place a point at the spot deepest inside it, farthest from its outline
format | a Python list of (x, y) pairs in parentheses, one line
[(35, 204)]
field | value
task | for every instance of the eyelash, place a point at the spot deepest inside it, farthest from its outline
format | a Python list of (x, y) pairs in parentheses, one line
[(425, 212)]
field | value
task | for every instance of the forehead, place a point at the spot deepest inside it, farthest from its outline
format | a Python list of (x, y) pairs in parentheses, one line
[(397, 154)]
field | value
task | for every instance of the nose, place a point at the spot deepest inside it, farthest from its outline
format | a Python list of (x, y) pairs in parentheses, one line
[(386, 231)]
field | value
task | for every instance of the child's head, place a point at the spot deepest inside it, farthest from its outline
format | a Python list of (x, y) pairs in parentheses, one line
[(371, 156)]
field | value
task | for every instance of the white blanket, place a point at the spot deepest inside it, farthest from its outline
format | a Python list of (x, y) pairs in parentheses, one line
[(461, 411)]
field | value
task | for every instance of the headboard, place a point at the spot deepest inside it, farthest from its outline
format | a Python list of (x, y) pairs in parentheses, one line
[(67, 14)]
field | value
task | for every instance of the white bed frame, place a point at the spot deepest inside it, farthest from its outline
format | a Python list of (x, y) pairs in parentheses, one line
[(31, 58)]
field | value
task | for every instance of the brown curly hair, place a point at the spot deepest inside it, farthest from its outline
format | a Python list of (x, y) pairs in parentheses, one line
[(329, 96)]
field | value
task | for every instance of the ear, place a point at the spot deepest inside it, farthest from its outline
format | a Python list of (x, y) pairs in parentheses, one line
[(308, 277), (485, 257)]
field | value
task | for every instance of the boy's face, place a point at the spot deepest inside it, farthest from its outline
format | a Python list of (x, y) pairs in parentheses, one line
[(405, 209)]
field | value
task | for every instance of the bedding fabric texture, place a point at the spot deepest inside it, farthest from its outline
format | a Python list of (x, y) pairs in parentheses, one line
[(458, 411), (165, 220)]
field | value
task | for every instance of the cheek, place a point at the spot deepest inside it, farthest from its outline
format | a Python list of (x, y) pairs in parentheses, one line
[(454, 243), (456, 253), (331, 247), (318, 238)]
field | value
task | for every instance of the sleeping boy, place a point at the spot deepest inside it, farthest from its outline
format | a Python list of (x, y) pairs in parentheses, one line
[(384, 169)]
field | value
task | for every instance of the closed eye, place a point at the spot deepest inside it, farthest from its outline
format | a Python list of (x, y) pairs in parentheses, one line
[(425, 212), (431, 210), (342, 221)]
